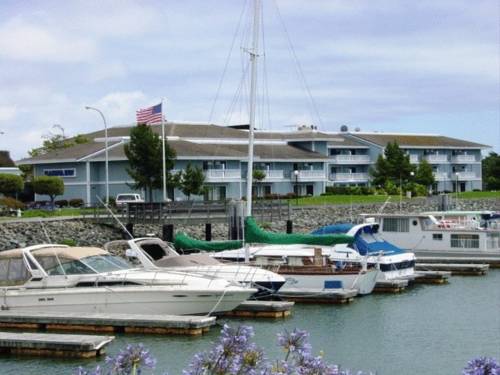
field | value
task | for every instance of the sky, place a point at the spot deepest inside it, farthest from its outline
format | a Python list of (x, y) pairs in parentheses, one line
[(427, 66)]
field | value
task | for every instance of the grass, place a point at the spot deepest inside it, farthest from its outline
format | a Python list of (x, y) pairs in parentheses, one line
[(58, 212), (478, 194)]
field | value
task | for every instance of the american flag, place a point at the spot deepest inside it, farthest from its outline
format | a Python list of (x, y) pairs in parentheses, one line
[(150, 115)]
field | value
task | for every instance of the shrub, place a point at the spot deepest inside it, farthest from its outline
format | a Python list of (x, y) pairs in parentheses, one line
[(68, 241), (11, 203), (420, 190), (10, 184), (61, 203), (76, 202), (49, 185)]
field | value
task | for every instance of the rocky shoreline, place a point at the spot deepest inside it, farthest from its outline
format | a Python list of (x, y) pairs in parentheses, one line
[(305, 219)]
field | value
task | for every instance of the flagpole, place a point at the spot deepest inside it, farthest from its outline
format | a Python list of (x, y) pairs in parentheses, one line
[(163, 153)]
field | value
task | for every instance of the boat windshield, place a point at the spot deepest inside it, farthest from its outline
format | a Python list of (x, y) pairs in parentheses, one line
[(89, 265)]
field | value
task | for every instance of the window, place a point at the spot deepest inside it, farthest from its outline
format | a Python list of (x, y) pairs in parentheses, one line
[(69, 172), (17, 271), (465, 241), (437, 236), (396, 224)]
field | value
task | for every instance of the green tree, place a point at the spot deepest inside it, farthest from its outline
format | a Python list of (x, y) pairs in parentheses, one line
[(192, 181), (53, 142), (11, 184), (258, 176), (145, 160), (49, 185), (424, 175), (491, 171), (393, 166)]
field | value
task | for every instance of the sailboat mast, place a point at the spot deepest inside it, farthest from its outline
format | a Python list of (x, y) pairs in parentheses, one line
[(253, 98)]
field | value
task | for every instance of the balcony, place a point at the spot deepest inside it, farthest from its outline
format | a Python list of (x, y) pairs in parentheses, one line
[(441, 176), (274, 175), (459, 159), (465, 176), (349, 177), (414, 159), (309, 176), (217, 175), (436, 159), (350, 159)]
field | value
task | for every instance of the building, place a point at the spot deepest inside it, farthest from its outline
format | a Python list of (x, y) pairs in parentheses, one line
[(7, 165), (304, 161)]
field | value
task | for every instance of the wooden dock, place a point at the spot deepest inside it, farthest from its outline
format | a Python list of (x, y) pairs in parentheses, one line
[(455, 268), (262, 309), (53, 345), (335, 296), (431, 277), (109, 323), (391, 286), (493, 261)]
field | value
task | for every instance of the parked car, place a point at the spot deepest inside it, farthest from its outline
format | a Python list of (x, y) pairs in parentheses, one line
[(123, 199)]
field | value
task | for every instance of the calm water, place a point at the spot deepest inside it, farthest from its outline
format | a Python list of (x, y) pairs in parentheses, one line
[(427, 330)]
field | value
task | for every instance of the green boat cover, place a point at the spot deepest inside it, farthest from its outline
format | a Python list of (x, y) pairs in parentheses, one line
[(255, 234), (184, 242)]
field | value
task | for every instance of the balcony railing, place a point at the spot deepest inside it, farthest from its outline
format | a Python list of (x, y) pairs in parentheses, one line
[(350, 159), (309, 175), (463, 159), (464, 176), (414, 159), (437, 158), (441, 176), (274, 174), (222, 174), (349, 177)]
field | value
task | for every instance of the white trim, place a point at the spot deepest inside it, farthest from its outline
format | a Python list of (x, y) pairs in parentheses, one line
[(98, 183)]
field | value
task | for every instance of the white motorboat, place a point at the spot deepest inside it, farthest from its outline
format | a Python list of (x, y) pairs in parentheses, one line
[(308, 267), (150, 250), (393, 262), (439, 234), (88, 279)]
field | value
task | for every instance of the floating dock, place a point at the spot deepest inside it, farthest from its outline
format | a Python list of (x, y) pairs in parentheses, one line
[(53, 345), (110, 323), (431, 277), (391, 286), (493, 261), (335, 296), (455, 268), (262, 309)]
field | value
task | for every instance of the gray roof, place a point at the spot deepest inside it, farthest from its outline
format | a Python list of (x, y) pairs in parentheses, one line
[(417, 140)]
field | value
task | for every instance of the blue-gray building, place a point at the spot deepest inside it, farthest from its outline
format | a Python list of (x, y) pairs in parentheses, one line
[(304, 161)]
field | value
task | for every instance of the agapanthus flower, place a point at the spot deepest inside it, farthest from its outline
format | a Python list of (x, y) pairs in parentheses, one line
[(482, 366), (130, 360)]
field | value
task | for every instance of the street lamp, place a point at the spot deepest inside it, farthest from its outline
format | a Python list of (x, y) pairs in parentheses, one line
[(296, 174), (106, 149)]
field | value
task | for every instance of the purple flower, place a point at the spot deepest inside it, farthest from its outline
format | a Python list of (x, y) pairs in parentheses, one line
[(130, 360), (482, 366)]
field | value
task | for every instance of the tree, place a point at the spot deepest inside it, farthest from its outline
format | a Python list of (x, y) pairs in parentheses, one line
[(49, 185), (491, 171), (145, 160), (424, 175), (53, 142), (258, 176), (193, 181), (393, 166), (10, 184)]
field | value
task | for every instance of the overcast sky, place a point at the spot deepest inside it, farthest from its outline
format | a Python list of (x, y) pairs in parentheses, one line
[(408, 66)]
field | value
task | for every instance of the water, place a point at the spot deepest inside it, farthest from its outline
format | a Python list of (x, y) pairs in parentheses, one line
[(427, 330)]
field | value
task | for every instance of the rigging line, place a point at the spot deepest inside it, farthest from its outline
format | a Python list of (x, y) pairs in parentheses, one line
[(299, 66), (265, 77), (236, 96), (228, 58)]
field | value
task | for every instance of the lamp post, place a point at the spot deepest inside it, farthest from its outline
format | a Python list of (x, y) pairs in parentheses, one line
[(106, 149), (296, 174)]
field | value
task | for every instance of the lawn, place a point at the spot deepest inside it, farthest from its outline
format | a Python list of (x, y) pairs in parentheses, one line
[(69, 211), (478, 194)]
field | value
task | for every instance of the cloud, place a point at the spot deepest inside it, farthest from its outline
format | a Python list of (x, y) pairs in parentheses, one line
[(7, 113), (21, 40)]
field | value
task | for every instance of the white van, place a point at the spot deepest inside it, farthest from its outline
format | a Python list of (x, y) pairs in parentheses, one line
[(123, 199)]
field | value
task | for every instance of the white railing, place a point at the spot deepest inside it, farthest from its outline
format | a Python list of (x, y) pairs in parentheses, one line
[(441, 176), (414, 159), (463, 159), (350, 159), (274, 175), (345, 177), (222, 174), (436, 158), (465, 176), (309, 175)]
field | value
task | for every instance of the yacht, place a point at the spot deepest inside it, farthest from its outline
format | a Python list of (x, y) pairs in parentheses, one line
[(440, 234), (308, 267), (87, 279), (393, 262), (150, 250)]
